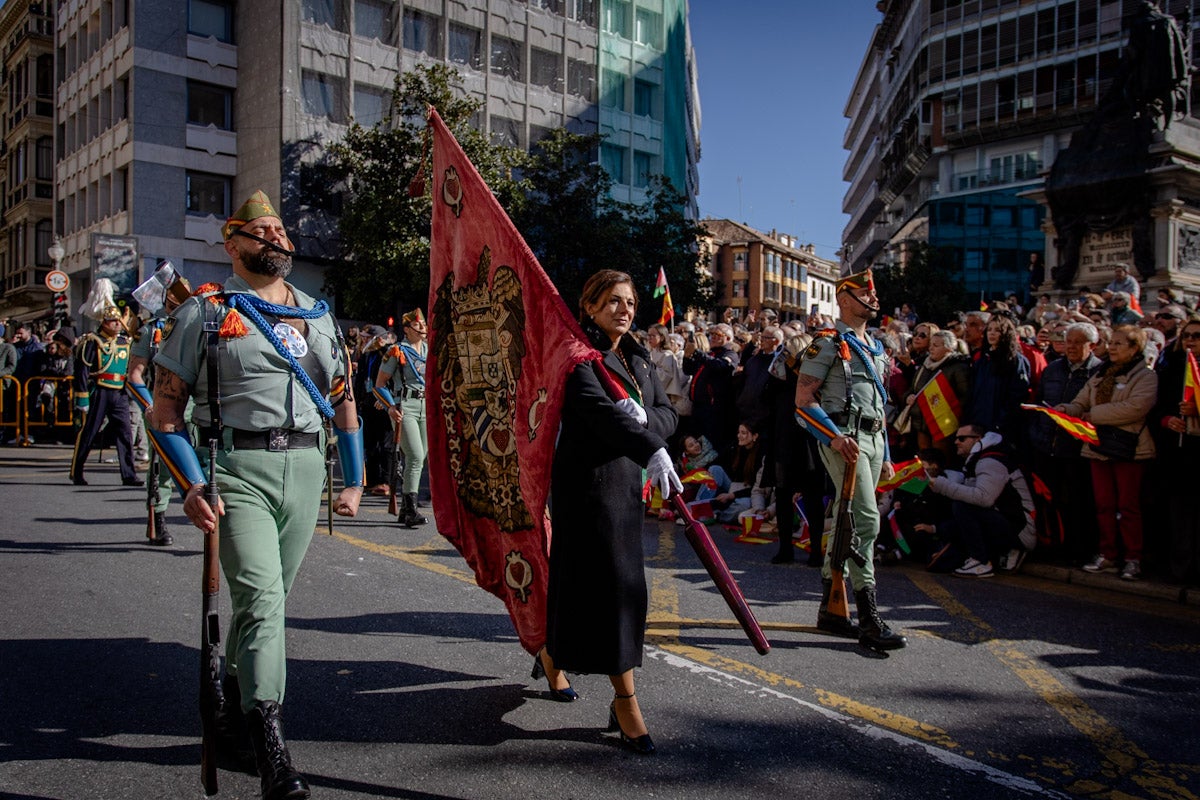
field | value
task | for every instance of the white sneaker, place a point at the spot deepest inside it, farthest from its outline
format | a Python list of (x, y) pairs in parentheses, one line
[(1132, 571), (1100, 564), (974, 569), (1013, 561)]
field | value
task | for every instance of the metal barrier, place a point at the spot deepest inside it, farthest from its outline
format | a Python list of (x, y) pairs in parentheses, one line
[(11, 395), (49, 402)]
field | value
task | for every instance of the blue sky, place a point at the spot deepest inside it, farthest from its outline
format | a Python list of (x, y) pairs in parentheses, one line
[(774, 77)]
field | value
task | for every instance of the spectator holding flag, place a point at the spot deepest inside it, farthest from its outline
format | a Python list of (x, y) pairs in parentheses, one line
[(946, 373), (1178, 445)]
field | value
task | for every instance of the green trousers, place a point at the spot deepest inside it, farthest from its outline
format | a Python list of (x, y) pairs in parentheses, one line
[(413, 442), (272, 501), (864, 506)]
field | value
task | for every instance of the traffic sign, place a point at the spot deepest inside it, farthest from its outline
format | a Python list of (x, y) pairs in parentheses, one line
[(57, 280)]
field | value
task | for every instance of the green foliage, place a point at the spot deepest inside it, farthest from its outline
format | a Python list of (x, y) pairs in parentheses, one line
[(928, 282), (560, 203)]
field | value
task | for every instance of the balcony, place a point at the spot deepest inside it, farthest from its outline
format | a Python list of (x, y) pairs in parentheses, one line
[(984, 178)]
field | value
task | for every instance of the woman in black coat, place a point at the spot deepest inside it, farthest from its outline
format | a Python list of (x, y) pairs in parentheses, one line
[(596, 610)]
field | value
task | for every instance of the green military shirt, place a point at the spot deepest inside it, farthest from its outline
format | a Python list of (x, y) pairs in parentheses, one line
[(144, 338), (823, 360), (259, 390), (411, 373)]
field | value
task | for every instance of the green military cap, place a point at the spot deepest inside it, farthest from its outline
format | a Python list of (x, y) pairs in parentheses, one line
[(416, 315), (259, 205), (856, 280)]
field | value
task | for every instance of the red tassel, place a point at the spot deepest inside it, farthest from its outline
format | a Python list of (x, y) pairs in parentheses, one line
[(845, 351), (416, 187), (233, 327)]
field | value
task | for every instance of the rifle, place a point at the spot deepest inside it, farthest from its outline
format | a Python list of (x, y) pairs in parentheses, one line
[(394, 466), (152, 472), (210, 633), (329, 450), (844, 535)]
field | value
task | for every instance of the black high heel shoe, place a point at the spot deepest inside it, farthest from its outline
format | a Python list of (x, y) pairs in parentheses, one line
[(642, 745), (567, 695)]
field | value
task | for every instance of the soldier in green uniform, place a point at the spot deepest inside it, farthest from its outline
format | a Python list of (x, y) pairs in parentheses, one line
[(840, 388), (140, 380), (403, 374), (283, 372), (101, 361)]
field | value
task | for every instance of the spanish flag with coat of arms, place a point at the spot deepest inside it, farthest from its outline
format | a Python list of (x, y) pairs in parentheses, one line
[(940, 407)]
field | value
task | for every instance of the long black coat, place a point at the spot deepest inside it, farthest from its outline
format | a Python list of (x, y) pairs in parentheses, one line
[(596, 609)]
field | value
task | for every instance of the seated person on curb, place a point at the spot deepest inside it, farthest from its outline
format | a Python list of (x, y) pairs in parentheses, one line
[(992, 511)]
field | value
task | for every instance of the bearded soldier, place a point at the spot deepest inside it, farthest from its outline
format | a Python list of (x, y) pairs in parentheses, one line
[(840, 392), (101, 361), (283, 371)]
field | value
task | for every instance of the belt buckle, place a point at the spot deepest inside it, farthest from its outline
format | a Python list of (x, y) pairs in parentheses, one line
[(277, 440)]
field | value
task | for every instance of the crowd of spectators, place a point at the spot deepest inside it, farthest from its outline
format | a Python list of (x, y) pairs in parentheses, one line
[(1007, 482)]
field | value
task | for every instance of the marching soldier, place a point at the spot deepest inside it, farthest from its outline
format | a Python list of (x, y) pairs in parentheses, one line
[(840, 389), (403, 374), (101, 362), (282, 371), (141, 383)]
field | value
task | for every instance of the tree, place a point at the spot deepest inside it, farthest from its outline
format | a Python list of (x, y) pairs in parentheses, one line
[(927, 282), (384, 229)]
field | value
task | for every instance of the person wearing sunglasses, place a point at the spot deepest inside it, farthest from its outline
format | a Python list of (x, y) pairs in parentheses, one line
[(1177, 436)]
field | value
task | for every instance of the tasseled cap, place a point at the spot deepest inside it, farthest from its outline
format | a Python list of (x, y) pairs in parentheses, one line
[(415, 315), (259, 205), (856, 280), (111, 313)]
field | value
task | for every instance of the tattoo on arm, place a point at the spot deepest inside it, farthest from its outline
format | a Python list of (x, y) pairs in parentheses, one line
[(170, 400), (806, 390)]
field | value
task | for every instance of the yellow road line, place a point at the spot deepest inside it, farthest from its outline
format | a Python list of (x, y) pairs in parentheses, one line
[(1120, 755), (413, 556)]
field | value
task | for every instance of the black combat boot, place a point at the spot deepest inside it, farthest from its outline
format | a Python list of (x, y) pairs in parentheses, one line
[(409, 517), (161, 538), (874, 632), (280, 780), (233, 737), (832, 623)]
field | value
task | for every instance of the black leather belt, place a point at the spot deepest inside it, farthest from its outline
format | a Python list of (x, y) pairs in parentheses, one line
[(274, 439), (865, 424), (412, 394)]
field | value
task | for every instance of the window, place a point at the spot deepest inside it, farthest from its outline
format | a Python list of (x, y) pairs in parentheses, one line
[(323, 96), (647, 28), (505, 132), (544, 69), (211, 18), (507, 58), (209, 105), (371, 105), (612, 158), (581, 79), (643, 168), (206, 194), (978, 215), (43, 236), (120, 178), (583, 11), (323, 12), (553, 6), (614, 17), (643, 99), (422, 33), (466, 45), (44, 162), (612, 89), (373, 19)]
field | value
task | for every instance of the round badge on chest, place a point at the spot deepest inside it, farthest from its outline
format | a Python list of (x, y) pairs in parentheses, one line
[(292, 339)]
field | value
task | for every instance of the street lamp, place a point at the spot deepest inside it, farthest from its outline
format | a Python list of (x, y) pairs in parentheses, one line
[(56, 252)]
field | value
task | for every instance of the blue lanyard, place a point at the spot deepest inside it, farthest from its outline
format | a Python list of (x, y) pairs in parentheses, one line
[(860, 350), (414, 357)]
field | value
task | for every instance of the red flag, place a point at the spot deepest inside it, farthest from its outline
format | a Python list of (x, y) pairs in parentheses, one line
[(661, 289), (1191, 379), (502, 343), (940, 407), (1078, 428)]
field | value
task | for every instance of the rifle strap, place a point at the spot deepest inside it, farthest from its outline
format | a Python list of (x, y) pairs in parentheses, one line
[(212, 330)]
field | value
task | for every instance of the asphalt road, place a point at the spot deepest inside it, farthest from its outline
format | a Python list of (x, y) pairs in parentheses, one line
[(406, 680)]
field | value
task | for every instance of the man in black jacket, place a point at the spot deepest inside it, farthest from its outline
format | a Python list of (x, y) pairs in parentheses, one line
[(1056, 454)]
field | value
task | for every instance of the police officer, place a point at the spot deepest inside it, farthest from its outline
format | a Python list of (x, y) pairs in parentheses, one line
[(283, 371), (840, 384), (403, 374), (101, 361), (145, 347)]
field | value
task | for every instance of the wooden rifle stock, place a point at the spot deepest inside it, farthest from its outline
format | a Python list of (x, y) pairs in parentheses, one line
[(844, 535), (714, 563), (210, 633), (394, 472), (152, 531)]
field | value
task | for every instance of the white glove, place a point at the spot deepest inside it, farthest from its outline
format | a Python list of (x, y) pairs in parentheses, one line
[(631, 407), (662, 474)]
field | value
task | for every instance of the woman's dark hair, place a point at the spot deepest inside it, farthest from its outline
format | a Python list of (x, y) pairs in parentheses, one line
[(1008, 349), (599, 285)]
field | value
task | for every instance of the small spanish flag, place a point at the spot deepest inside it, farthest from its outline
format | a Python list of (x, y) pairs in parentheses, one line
[(940, 407), (1191, 380), (907, 472), (1083, 431), (661, 289)]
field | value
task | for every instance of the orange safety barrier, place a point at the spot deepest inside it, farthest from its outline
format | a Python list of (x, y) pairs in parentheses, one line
[(10, 405), (49, 402)]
